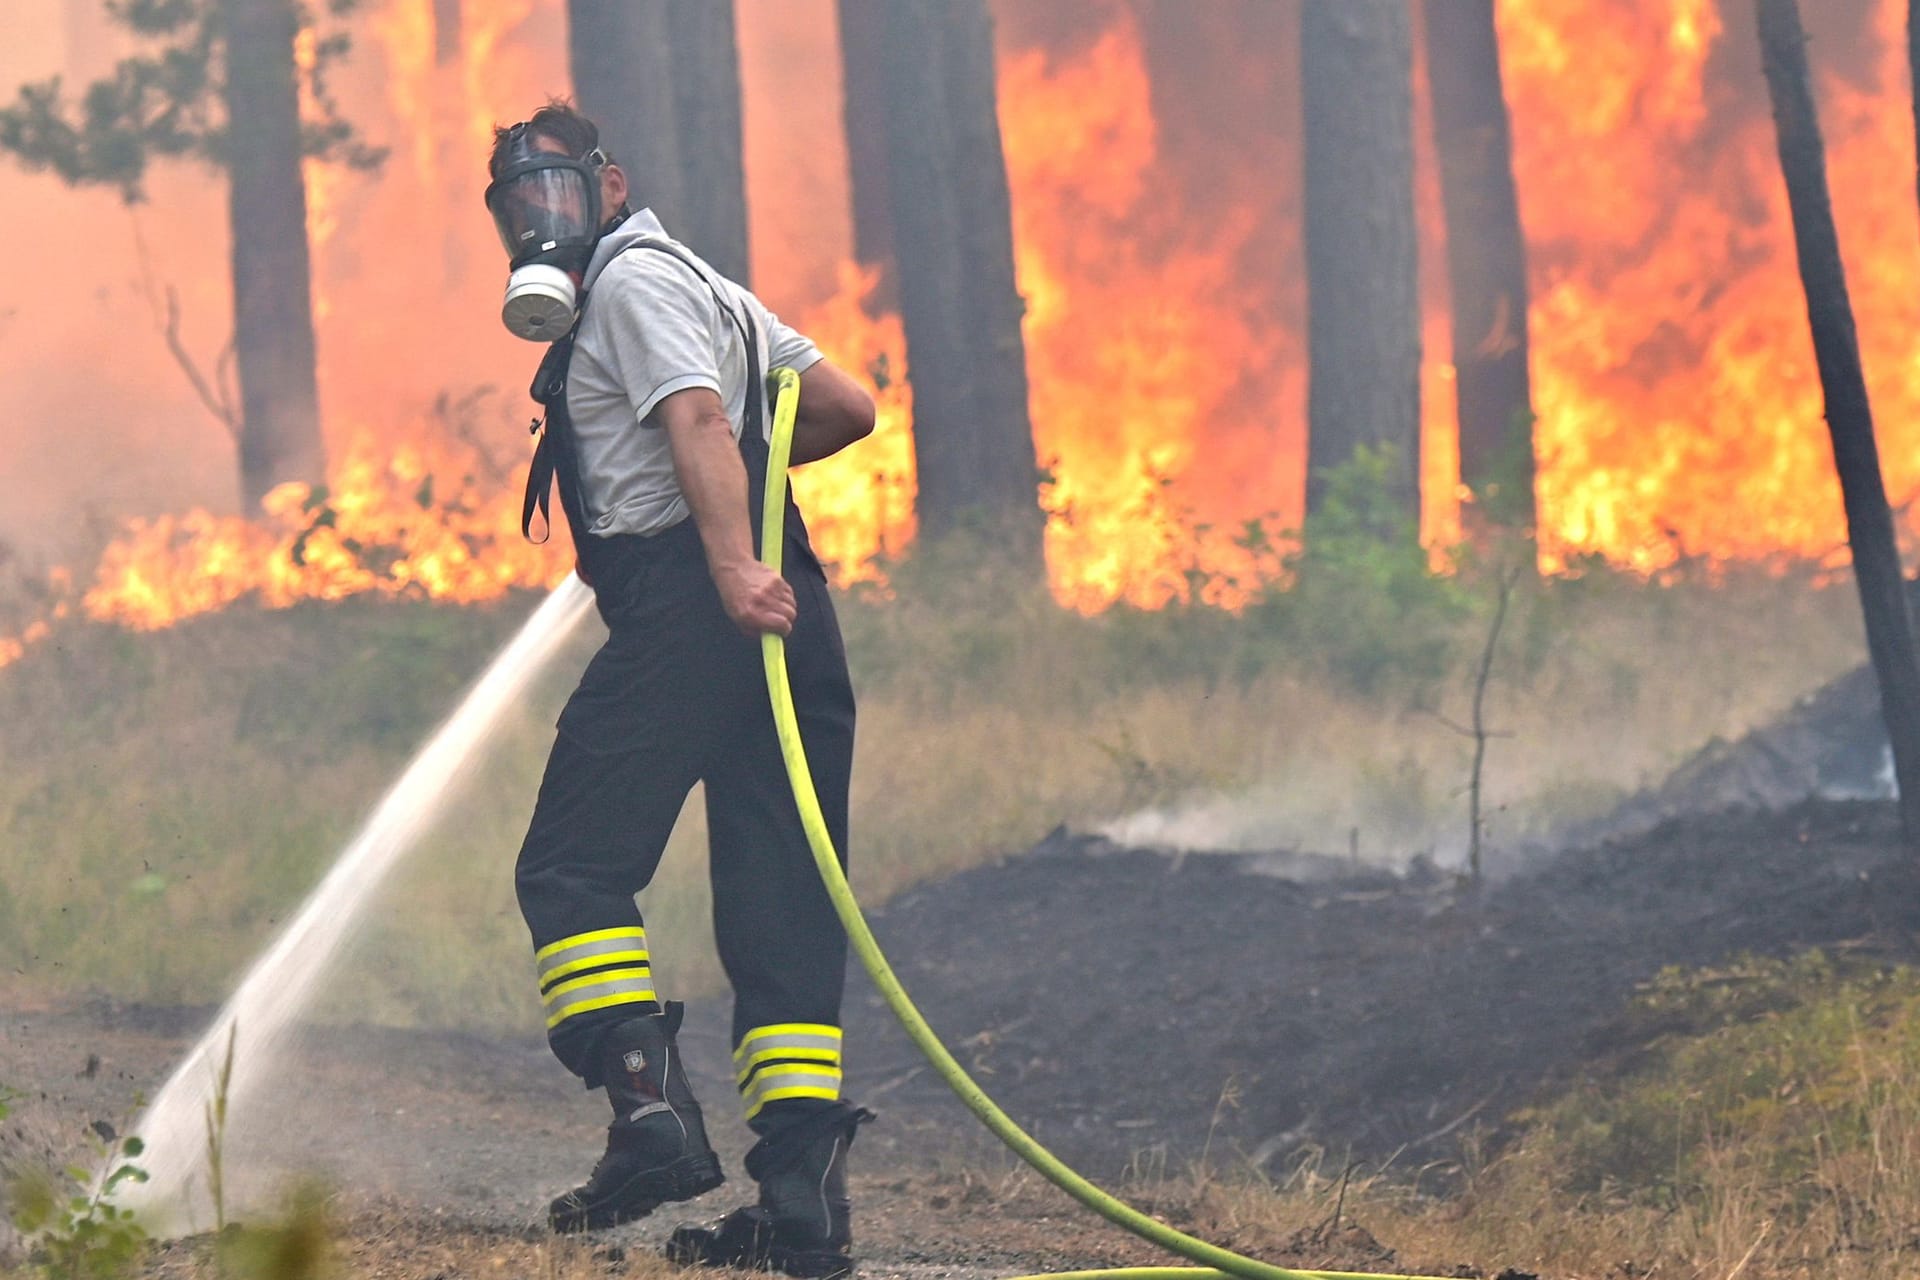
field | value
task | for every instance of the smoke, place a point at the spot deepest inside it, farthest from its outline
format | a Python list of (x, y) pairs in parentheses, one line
[(98, 424), (1679, 413), (800, 224), (1602, 695)]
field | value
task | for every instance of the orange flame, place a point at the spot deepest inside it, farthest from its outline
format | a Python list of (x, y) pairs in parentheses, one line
[(1679, 414), (1132, 411), (408, 520), (859, 504)]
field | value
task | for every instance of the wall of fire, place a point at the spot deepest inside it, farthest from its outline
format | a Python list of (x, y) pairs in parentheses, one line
[(1154, 167)]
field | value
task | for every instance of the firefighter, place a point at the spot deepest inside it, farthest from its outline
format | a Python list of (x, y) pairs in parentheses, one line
[(656, 432)]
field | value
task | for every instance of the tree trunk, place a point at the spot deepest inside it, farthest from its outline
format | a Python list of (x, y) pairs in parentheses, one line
[(863, 59), (1007, 469), (267, 206), (927, 248), (1876, 556), (954, 249), (1913, 76), (1486, 258), (1363, 312), (622, 66), (706, 101), (446, 32)]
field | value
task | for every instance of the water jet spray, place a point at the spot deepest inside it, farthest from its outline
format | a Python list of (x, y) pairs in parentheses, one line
[(258, 1018)]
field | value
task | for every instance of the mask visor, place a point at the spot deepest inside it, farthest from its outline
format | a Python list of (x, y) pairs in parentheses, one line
[(539, 209)]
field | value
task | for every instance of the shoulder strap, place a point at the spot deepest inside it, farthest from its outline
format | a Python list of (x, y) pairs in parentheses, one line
[(554, 459), (755, 424), (549, 391)]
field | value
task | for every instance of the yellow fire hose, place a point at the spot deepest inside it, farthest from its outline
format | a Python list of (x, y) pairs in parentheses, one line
[(1221, 1263)]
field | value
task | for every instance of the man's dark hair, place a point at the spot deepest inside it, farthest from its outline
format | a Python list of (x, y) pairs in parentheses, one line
[(558, 120)]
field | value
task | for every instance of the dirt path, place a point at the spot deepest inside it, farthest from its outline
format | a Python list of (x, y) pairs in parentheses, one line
[(1134, 1010)]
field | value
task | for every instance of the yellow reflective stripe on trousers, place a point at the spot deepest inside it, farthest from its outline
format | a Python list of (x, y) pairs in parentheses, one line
[(595, 961), (795, 1080), (601, 942), (791, 1035), (597, 991), (829, 1057)]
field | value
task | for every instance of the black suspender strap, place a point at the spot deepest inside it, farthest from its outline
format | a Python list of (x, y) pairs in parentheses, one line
[(554, 456), (549, 390)]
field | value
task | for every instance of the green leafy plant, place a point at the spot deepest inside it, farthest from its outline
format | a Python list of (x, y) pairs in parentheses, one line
[(76, 1229), (1361, 594), (165, 102)]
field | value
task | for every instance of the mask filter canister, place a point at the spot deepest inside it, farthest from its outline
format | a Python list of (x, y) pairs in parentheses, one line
[(540, 303)]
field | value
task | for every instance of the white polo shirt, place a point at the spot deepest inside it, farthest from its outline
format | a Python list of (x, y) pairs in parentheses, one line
[(654, 327)]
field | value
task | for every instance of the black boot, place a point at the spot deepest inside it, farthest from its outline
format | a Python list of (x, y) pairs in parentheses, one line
[(802, 1224), (656, 1146)]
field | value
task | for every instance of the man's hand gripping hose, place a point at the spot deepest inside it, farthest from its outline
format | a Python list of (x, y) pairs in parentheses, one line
[(1219, 1263)]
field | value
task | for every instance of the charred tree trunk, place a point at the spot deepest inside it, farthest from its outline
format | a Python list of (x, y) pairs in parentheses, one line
[(1363, 317), (620, 54), (927, 245), (973, 439), (1876, 556), (272, 292), (1005, 463), (1486, 257), (863, 60), (706, 103)]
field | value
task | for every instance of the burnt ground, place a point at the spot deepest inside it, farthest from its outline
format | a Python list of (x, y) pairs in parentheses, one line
[(1122, 1001), (1135, 1009)]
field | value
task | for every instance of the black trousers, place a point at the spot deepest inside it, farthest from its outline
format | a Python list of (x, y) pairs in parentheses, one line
[(677, 696)]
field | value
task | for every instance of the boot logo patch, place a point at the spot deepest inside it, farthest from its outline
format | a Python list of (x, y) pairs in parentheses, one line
[(638, 1081), (651, 1109)]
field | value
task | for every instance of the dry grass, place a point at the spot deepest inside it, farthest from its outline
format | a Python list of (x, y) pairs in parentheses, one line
[(170, 796)]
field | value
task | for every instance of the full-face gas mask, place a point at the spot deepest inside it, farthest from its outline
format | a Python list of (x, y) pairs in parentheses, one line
[(546, 207)]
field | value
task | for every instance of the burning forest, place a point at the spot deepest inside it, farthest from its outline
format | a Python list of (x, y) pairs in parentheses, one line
[(1342, 519), (1153, 155)]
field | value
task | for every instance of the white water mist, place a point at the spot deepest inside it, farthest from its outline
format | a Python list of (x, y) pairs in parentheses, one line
[(261, 1012)]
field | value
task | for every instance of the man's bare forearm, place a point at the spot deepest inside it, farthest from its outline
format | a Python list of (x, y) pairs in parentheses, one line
[(713, 478)]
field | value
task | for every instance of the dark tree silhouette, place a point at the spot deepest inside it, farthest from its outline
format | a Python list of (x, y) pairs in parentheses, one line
[(863, 35), (1363, 321), (220, 85), (953, 241), (662, 80), (1876, 555), (1486, 257), (706, 100), (1913, 76), (622, 61), (272, 290)]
